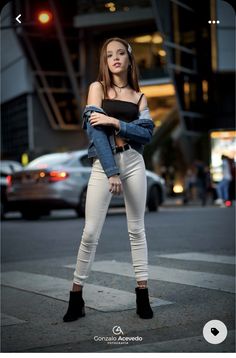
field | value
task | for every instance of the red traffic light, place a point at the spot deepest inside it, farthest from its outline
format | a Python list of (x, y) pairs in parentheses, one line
[(44, 17)]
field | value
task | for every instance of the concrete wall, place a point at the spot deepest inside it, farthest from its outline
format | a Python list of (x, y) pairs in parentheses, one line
[(16, 78)]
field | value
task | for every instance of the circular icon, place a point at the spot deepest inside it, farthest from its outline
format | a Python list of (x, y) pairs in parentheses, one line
[(215, 332), (117, 330)]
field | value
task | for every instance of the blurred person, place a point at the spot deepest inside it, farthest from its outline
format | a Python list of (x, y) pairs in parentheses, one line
[(189, 185), (201, 181), (232, 182), (223, 186), (118, 124), (171, 179), (209, 184)]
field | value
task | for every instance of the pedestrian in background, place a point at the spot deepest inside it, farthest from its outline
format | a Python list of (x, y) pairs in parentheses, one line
[(189, 185), (118, 124), (201, 181), (223, 186)]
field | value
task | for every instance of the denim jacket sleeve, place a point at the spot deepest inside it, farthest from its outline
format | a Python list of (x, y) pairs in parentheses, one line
[(139, 130), (100, 140)]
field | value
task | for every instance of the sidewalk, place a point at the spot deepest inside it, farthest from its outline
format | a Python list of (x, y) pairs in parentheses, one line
[(179, 202)]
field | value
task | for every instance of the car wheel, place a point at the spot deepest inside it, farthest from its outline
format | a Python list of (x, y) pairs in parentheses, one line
[(154, 199), (30, 214), (81, 205)]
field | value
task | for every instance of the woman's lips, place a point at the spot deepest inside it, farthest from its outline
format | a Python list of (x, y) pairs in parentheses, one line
[(117, 65)]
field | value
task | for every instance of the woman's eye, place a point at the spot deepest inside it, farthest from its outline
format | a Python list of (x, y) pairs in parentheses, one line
[(121, 53)]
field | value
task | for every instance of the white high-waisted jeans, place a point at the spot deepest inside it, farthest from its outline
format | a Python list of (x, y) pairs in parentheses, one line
[(134, 184)]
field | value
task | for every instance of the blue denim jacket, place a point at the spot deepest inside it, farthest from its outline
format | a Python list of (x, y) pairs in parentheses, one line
[(102, 142)]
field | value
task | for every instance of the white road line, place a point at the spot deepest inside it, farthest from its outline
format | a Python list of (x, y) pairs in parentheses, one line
[(197, 344), (97, 297), (200, 256), (7, 320), (185, 277)]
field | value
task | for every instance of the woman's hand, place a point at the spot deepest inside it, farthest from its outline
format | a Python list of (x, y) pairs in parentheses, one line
[(99, 119), (115, 184)]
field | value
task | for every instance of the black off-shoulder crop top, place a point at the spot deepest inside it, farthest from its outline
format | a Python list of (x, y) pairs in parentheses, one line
[(123, 110)]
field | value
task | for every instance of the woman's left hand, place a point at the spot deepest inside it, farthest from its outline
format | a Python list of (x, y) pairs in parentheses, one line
[(100, 119)]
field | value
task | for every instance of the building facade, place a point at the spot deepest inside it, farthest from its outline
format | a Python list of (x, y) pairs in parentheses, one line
[(186, 68)]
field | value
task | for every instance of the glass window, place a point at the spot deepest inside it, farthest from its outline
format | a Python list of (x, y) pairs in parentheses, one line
[(184, 21), (150, 55)]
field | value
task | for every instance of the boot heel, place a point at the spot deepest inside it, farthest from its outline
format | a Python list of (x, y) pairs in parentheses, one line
[(76, 307), (143, 308)]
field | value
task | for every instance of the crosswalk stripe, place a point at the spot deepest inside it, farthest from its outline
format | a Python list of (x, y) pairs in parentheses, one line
[(200, 256), (97, 297), (7, 320), (197, 344), (185, 277)]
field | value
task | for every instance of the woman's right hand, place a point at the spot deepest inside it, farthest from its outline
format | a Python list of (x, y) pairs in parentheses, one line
[(115, 184)]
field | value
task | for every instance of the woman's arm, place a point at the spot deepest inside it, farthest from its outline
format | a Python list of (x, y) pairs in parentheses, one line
[(138, 130), (99, 137), (95, 94)]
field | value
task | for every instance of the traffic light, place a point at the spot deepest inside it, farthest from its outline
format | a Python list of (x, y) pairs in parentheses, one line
[(44, 17)]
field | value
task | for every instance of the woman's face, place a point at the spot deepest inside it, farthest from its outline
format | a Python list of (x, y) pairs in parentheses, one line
[(117, 57)]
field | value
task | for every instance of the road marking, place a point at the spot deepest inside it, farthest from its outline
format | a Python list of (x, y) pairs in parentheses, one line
[(7, 320), (185, 277), (97, 297), (199, 256), (195, 344)]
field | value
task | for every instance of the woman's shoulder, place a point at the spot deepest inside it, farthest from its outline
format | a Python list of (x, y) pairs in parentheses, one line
[(140, 95), (96, 85), (141, 100), (96, 88), (95, 93)]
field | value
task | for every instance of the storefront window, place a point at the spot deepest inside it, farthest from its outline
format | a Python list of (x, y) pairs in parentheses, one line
[(150, 55)]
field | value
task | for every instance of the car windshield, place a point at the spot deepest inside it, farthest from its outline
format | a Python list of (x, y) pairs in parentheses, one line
[(50, 160)]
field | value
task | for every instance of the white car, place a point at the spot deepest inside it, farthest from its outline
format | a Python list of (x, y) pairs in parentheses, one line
[(59, 181), (7, 167)]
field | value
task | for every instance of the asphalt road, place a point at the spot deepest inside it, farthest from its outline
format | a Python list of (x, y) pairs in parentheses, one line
[(191, 259)]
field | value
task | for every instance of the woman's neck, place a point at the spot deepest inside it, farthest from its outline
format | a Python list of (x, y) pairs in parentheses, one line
[(120, 81)]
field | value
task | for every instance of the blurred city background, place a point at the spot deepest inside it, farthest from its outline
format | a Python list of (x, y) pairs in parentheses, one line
[(186, 61), (185, 51)]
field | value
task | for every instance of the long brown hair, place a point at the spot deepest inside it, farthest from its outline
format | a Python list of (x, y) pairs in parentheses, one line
[(104, 74)]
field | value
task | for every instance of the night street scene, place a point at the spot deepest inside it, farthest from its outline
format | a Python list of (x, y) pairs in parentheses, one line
[(118, 152)]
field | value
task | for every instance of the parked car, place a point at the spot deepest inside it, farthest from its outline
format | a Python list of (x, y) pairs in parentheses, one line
[(7, 167), (59, 181)]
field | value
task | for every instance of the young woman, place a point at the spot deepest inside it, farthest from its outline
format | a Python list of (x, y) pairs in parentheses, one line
[(118, 124)]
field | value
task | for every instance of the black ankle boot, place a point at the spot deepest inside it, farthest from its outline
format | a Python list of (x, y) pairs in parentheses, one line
[(142, 301), (76, 307)]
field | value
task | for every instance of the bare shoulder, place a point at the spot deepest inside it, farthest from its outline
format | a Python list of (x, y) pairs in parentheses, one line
[(142, 101), (95, 94), (96, 87)]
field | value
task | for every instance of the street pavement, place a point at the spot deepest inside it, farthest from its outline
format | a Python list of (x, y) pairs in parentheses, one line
[(191, 282)]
